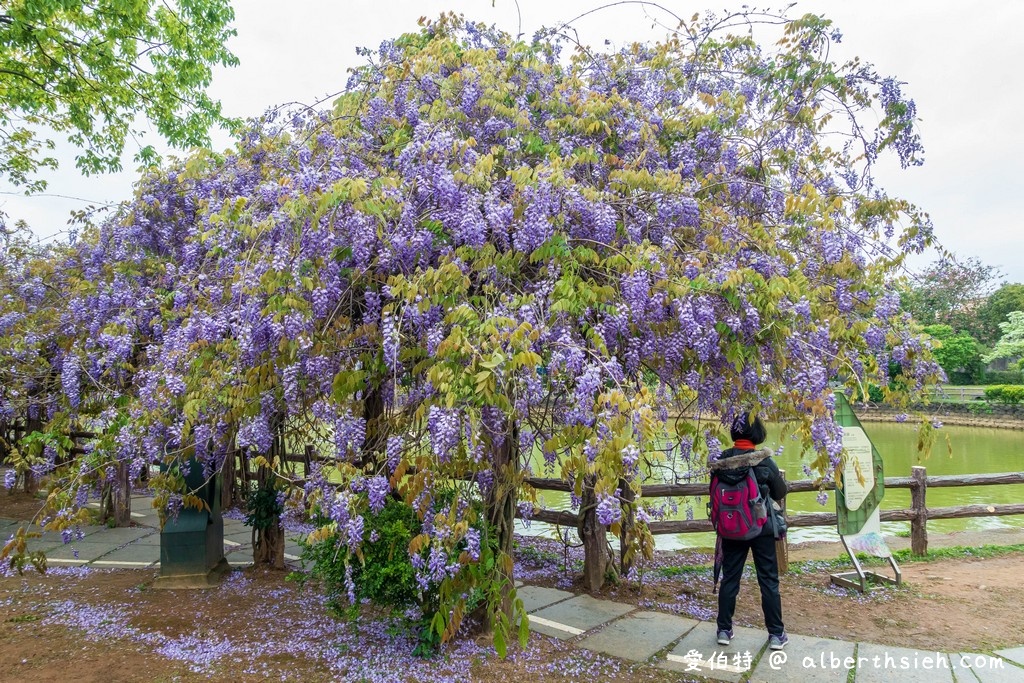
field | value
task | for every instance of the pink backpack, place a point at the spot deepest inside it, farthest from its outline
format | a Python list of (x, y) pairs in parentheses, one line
[(738, 511)]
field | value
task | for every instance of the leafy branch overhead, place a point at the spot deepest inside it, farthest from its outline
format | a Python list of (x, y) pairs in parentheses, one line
[(89, 71)]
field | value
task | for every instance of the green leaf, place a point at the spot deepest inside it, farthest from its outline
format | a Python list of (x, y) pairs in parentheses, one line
[(499, 643)]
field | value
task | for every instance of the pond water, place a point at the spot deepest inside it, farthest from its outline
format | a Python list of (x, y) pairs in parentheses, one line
[(974, 451)]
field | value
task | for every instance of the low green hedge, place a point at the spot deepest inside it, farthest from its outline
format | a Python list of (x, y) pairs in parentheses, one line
[(1010, 394), (1002, 377)]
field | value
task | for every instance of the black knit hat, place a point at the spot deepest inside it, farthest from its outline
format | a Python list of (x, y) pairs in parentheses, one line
[(743, 428)]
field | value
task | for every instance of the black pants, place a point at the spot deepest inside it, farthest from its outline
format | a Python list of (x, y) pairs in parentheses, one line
[(734, 556)]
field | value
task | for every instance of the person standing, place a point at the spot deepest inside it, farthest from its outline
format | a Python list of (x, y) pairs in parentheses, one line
[(732, 469)]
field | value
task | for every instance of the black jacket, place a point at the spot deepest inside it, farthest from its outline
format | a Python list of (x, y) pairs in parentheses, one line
[(766, 473)]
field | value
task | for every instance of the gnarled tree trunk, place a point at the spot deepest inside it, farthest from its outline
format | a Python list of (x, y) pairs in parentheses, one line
[(117, 498), (227, 477), (596, 556), (32, 424), (268, 541), (501, 508), (376, 437), (628, 532)]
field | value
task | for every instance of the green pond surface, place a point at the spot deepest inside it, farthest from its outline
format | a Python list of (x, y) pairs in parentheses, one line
[(974, 451)]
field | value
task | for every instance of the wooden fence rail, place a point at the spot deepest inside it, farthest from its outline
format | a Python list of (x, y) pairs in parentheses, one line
[(918, 483), (918, 514)]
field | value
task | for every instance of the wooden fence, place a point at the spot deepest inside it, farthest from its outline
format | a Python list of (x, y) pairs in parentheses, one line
[(918, 514), (238, 480), (961, 393)]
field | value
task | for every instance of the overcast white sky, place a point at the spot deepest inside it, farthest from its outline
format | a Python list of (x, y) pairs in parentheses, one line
[(961, 61)]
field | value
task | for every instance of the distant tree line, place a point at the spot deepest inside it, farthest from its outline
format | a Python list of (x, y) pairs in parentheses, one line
[(964, 308)]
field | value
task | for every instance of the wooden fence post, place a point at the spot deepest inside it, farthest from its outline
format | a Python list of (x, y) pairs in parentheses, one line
[(782, 544), (919, 524)]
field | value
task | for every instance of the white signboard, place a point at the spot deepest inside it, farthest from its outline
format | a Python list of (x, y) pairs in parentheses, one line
[(858, 457), (869, 539)]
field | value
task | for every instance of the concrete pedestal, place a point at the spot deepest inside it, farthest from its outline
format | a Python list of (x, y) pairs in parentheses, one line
[(192, 545)]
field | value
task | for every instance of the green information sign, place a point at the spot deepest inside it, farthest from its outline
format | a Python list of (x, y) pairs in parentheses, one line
[(861, 483)]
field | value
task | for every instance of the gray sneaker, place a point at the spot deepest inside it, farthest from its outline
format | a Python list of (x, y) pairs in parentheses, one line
[(777, 642), (724, 637)]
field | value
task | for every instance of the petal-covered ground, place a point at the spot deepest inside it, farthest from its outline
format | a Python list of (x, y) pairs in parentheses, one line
[(110, 625)]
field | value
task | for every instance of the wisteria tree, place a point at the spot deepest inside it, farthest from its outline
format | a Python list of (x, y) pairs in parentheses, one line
[(496, 256)]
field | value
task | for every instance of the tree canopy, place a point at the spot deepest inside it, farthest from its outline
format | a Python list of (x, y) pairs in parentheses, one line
[(491, 259), (1011, 344), (957, 352), (996, 309), (87, 70), (950, 292)]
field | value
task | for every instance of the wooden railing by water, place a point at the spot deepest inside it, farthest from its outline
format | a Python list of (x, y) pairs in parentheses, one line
[(918, 514)]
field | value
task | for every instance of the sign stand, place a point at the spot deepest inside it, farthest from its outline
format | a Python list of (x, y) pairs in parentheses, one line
[(860, 489), (859, 579)]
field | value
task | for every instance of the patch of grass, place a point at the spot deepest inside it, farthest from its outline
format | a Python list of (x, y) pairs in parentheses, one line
[(23, 619), (905, 557), (959, 552)]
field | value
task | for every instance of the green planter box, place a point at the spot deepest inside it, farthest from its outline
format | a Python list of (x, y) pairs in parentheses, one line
[(192, 544)]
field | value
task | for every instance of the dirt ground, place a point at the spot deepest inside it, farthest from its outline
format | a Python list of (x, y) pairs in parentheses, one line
[(111, 625), (19, 505)]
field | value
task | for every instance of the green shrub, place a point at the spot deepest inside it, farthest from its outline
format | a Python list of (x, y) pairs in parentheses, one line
[(1009, 394), (1013, 394), (979, 408), (963, 377), (386, 575), (994, 392), (1003, 377), (382, 572), (875, 394), (264, 508)]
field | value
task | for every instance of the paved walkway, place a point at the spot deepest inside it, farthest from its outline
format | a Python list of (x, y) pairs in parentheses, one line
[(662, 640), (136, 547), (689, 646)]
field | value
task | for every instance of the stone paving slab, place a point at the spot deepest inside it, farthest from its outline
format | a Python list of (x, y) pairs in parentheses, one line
[(48, 542), (536, 597), (962, 673), (61, 562), (638, 636), (153, 539), (985, 668), (699, 653), (806, 659), (86, 551), (239, 537), (885, 663), (132, 555), (118, 537), (1014, 654), (574, 617)]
